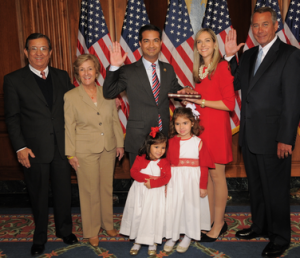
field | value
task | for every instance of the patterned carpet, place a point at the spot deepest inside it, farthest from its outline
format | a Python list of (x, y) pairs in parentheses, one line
[(16, 233)]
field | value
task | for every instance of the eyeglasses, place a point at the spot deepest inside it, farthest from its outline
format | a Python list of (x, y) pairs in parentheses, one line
[(44, 50)]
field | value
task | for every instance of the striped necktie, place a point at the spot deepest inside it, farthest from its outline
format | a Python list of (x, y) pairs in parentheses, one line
[(43, 75), (155, 89)]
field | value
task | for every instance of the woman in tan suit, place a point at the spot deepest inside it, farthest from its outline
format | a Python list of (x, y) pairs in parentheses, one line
[(94, 138)]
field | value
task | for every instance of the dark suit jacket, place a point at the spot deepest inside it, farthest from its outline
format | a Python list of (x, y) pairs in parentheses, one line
[(143, 109), (29, 121), (270, 99)]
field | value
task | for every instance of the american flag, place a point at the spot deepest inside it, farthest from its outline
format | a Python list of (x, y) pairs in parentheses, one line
[(250, 41), (177, 44), (217, 18), (292, 24), (292, 27), (135, 17), (94, 38)]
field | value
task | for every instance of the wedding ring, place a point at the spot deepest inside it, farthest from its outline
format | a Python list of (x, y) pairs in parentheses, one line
[(286, 153)]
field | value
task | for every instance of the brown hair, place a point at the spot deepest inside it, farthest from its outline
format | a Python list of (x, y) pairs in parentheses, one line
[(186, 112), (83, 58), (198, 60)]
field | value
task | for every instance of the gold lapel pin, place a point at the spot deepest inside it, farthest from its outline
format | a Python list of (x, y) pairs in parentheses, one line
[(165, 69)]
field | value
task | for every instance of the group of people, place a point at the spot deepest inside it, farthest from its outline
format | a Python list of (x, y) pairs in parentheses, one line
[(178, 165)]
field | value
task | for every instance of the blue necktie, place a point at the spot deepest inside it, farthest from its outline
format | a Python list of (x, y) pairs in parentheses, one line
[(258, 60)]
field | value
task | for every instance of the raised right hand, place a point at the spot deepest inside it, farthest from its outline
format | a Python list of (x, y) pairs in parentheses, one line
[(74, 163), (116, 58), (231, 47), (22, 156)]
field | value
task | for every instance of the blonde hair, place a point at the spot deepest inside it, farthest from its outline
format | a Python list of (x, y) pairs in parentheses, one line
[(83, 58), (198, 60)]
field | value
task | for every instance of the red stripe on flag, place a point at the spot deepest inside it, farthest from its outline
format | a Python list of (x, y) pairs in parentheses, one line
[(190, 41), (249, 42), (176, 67), (223, 35), (235, 119), (137, 54), (102, 68), (185, 57), (79, 47)]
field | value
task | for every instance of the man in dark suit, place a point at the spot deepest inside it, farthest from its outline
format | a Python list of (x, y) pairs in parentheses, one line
[(136, 79), (34, 115), (268, 76)]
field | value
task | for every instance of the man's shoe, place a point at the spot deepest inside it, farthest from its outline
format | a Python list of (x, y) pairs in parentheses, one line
[(37, 249), (274, 250), (247, 233), (70, 239)]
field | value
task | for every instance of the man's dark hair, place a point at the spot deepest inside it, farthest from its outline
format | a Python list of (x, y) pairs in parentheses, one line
[(37, 36), (149, 27)]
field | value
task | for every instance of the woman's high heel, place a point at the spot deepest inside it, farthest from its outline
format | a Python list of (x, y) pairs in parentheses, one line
[(206, 238)]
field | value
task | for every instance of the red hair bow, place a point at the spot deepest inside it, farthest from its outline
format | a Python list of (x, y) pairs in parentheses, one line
[(153, 132)]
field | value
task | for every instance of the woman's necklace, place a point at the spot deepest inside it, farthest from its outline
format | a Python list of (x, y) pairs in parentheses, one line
[(202, 74), (92, 93)]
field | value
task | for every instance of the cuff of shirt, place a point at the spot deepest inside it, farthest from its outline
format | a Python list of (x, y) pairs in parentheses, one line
[(113, 68), (228, 58), (21, 149)]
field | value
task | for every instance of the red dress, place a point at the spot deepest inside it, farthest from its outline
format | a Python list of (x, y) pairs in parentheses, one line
[(216, 123)]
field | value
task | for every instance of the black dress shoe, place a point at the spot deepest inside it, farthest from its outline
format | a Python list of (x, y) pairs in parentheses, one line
[(70, 239), (206, 238), (248, 233), (37, 249), (274, 250)]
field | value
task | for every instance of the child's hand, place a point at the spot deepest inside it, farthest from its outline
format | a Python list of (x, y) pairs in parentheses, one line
[(203, 193), (147, 184)]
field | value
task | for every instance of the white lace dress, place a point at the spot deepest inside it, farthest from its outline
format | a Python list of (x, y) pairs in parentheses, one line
[(186, 212)]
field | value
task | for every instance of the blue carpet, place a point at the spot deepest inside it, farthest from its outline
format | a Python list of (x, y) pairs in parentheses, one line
[(120, 249)]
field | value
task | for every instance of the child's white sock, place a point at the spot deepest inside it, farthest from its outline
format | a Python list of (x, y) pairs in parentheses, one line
[(185, 241), (152, 247), (170, 242), (136, 246)]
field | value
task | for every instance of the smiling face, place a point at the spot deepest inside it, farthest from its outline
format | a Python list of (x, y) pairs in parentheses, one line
[(183, 127), (150, 45), (87, 73), (263, 28), (157, 150), (206, 46), (38, 53)]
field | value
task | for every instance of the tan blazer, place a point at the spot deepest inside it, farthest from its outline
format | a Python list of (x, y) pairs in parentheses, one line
[(90, 128)]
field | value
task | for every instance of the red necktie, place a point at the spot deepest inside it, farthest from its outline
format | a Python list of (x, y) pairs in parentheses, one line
[(155, 89), (43, 75)]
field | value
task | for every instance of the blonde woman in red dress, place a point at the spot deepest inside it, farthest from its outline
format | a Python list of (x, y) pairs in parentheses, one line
[(215, 84)]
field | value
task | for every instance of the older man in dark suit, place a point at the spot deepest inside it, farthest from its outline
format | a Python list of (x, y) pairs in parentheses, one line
[(149, 107), (269, 78), (34, 115)]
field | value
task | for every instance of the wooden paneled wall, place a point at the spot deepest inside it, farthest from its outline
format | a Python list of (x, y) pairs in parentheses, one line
[(59, 20)]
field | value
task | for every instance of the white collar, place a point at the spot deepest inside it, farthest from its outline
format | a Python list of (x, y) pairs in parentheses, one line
[(37, 72)]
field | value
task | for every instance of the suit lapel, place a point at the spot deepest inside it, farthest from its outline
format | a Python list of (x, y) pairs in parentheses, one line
[(163, 80), (86, 98), (100, 97), (266, 63), (31, 84), (143, 78), (55, 84)]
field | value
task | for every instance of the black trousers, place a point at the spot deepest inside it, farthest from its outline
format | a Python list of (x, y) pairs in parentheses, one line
[(37, 180), (269, 187)]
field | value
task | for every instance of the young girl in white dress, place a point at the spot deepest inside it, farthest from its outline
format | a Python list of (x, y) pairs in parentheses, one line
[(143, 216), (187, 208)]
